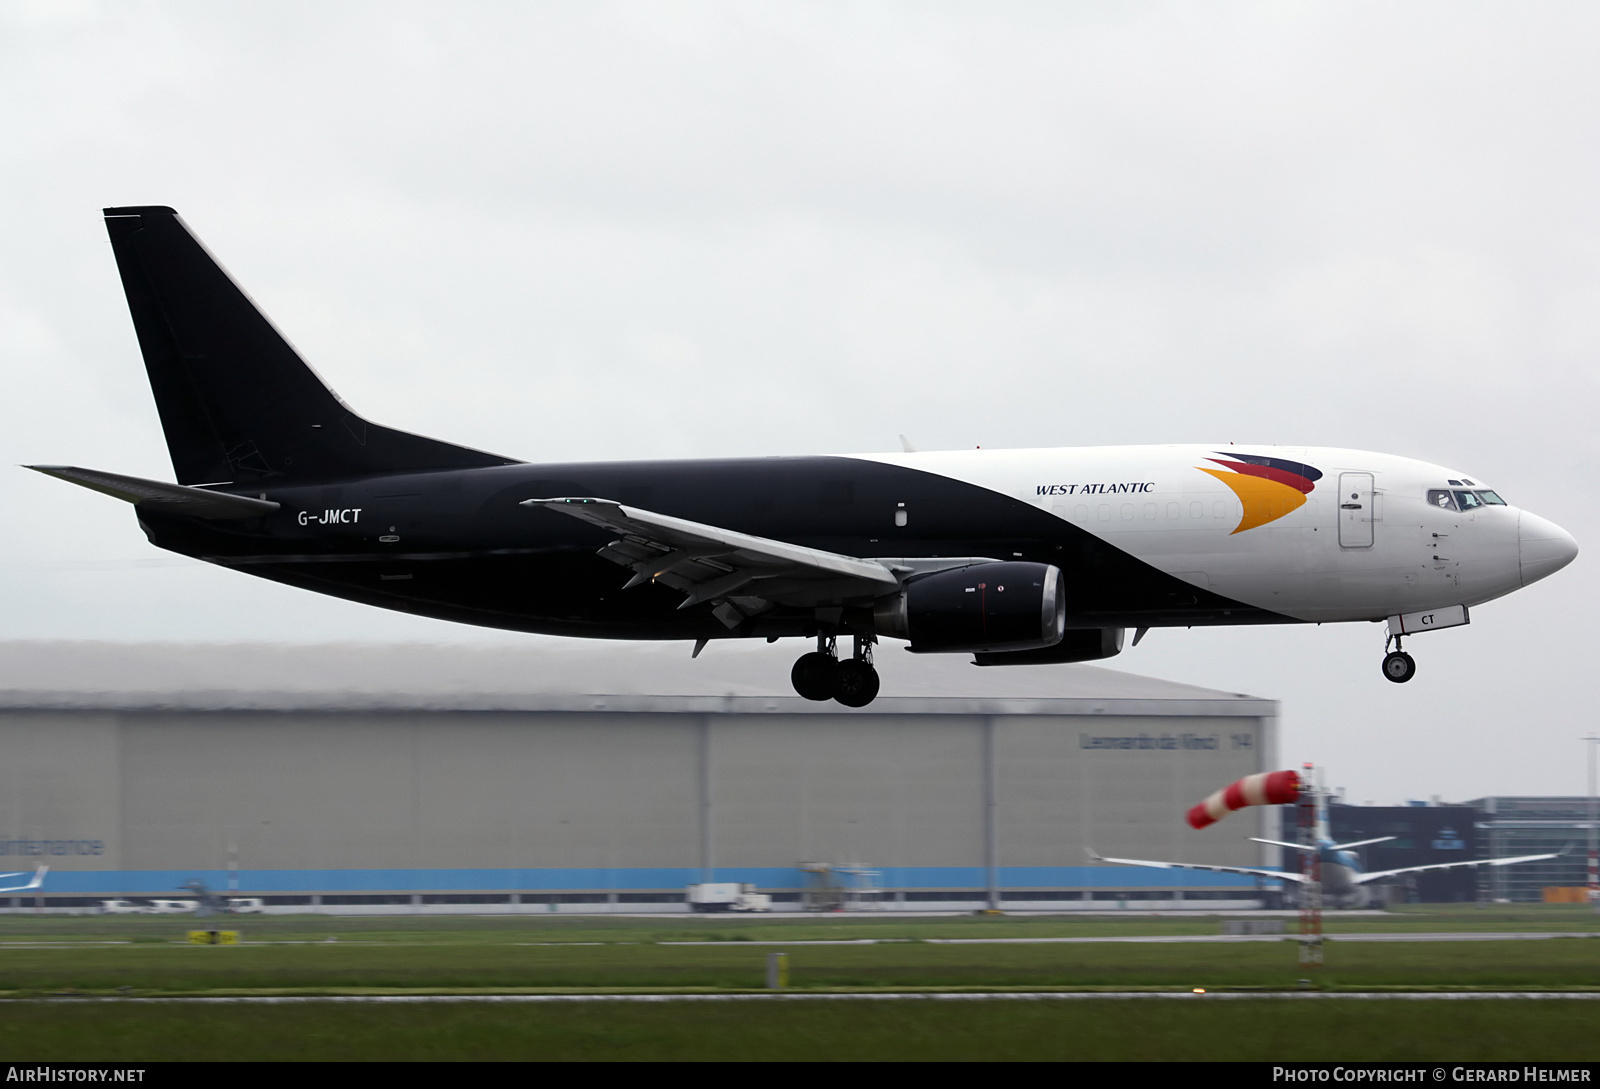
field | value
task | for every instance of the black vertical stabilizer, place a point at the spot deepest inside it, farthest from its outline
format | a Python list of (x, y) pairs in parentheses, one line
[(237, 402)]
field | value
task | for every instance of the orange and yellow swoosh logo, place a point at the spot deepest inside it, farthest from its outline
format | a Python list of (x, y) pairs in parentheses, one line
[(1268, 488)]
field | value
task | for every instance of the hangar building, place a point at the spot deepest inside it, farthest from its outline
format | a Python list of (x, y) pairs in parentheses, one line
[(554, 776)]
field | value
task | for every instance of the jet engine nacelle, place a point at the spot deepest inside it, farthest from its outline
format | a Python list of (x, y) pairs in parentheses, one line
[(1077, 645), (985, 607)]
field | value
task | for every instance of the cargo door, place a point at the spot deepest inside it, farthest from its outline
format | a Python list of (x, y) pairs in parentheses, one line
[(1355, 510)]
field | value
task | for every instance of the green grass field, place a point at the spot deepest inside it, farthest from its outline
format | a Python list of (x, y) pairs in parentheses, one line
[(484, 967), (43, 957), (1255, 1030)]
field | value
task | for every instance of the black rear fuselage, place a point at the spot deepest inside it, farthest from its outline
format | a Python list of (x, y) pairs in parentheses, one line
[(457, 544), (406, 522)]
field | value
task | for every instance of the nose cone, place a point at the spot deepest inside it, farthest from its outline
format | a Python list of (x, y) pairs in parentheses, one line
[(1543, 547)]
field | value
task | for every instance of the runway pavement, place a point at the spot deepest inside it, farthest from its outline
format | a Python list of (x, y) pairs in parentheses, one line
[(898, 996), (1442, 936)]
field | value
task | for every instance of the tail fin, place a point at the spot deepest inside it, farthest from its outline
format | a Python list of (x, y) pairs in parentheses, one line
[(237, 402), (38, 879)]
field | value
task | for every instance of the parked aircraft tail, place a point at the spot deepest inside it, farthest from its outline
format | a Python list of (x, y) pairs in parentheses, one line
[(36, 881), (237, 402)]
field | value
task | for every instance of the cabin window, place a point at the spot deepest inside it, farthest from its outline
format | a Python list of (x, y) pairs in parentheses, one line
[(1127, 512), (1197, 510), (1081, 513), (1172, 510), (1149, 512), (1105, 512)]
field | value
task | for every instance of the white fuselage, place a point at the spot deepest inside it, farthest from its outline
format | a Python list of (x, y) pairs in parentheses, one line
[(1363, 541)]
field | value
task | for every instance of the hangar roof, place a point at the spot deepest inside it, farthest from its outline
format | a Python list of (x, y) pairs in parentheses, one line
[(556, 675)]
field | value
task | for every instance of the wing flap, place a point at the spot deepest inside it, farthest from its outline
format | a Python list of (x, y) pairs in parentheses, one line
[(709, 563)]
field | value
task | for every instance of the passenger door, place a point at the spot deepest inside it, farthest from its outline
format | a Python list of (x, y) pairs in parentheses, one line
[(1355, 510)]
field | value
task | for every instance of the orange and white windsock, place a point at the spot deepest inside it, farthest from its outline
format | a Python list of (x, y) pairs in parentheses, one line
[(1265, 788)]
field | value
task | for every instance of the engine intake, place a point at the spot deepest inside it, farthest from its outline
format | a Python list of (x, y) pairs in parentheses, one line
[(986, 607)]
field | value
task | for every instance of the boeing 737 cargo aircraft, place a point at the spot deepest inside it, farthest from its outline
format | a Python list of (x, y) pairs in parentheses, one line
[(1014, 556)]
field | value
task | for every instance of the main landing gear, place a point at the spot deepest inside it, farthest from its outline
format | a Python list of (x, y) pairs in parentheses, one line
[(821, 676), (1398, 666)]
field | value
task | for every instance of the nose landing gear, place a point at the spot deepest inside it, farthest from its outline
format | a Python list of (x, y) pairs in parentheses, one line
[(821, 676), (1398, 666)]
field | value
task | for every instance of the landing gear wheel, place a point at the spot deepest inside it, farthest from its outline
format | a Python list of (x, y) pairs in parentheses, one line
[(1399, 666), (816, 676), (857, 683)]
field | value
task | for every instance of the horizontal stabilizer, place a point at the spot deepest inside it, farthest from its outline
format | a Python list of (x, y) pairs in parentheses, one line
[(1360, 843), (156, 495)]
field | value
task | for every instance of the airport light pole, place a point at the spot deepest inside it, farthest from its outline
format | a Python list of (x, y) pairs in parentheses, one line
[(1311, 869), (1594, 854)]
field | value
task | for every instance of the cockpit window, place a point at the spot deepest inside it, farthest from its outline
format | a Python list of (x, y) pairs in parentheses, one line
[(1463, 500)]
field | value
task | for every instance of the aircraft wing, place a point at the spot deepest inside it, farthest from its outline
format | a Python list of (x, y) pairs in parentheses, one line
[(38, 879), (1250, 871), (1363, 878), (157, 495), (708, 562), (1281, 843)]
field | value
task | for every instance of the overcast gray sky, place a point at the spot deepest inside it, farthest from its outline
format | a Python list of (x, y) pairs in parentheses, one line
[(568, 231)]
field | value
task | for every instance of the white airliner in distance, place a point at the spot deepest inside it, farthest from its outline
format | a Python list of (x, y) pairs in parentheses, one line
[(1343, 879), (1013, 556)]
